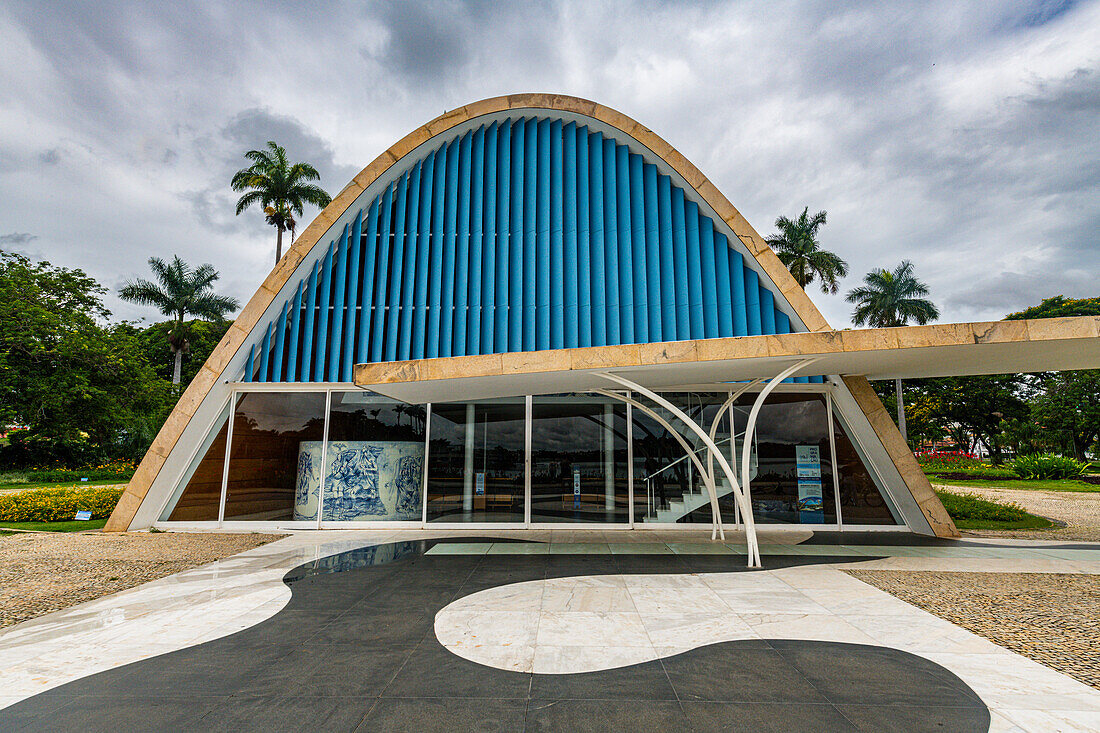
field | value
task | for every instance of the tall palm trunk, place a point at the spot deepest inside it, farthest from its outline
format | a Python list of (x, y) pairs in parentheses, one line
[(177, 350), (901, 411), (177, 368), (279, 245)]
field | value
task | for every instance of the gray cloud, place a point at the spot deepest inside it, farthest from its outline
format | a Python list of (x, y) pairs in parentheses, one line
[(963, 136), (252, 128), (17, 238)]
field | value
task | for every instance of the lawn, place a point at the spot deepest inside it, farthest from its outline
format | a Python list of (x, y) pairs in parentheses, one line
[(1000, 483), (1031, 522), (973, 512), (67, 526)]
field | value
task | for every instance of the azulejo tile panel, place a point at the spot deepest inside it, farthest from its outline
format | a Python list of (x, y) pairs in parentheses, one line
[(366, 480)]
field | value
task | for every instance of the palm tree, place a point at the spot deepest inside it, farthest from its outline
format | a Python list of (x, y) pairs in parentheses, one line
[(179, 291), (280, 187), (892, 298), (798, 249)]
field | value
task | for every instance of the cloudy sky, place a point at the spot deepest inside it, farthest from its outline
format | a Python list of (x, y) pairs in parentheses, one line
[(962, 136)]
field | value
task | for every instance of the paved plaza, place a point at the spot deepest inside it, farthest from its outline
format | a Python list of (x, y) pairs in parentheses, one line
[(568, 630)]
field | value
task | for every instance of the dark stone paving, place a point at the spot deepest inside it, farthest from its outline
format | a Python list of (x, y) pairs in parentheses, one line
[(355, 650)]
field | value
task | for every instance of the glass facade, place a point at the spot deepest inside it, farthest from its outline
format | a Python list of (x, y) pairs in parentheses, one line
[(199, 498), (793, 481), (347, 455), (861, 501), (668, 487), (374, 464), (267, 453), (476, 461), (579, 460)]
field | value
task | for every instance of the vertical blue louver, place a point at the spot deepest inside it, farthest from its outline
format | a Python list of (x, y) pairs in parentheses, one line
[(522, 235)]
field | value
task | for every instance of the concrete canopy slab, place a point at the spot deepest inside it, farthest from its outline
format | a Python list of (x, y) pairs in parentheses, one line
[(939, 350)]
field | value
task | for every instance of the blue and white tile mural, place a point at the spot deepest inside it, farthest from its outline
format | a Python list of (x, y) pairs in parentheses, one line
[(367, 480)]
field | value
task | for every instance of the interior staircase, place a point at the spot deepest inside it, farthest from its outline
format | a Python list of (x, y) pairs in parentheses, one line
[(696, 496)]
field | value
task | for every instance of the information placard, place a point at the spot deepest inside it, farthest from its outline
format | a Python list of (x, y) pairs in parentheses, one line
[(811, 504)]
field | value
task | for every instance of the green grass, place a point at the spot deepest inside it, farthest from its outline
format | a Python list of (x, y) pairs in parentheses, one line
[(1036, 484), (63, 484), (69, 526), (1032, 522), (973, 512)]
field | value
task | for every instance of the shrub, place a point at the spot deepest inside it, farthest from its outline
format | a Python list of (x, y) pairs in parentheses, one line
[(55, 505), (110, 471), (970, 506), (1047, 467)]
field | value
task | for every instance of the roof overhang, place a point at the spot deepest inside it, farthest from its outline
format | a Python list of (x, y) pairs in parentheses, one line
[(938, 350)]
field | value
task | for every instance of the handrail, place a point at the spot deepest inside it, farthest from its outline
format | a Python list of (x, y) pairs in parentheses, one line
[(686, 457)]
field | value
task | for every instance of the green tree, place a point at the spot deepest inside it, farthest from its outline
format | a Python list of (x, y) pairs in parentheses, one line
[(180, 291), (977, 406), (83, 390), (1024, 436), (891, 298), (1068, 409), (922, 420), (203, 337), (281, 188), (1067, 404), (1059, 307), (797, 247)]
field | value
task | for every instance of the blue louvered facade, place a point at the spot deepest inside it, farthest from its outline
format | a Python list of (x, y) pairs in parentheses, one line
[(521, 235)]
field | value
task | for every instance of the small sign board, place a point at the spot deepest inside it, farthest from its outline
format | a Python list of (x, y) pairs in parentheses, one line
[(576, 489), (479, 484), (83, 516), (811, 505), (83, 479)]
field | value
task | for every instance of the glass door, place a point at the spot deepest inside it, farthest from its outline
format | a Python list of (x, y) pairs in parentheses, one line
[(476, 462), (579, 460)]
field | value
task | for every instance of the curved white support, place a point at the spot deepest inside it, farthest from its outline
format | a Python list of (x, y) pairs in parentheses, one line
[(750, 426), (750, 526), (718, 419), (689, 449)]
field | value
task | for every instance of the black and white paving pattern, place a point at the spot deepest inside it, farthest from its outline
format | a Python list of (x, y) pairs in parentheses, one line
[(358, 647)]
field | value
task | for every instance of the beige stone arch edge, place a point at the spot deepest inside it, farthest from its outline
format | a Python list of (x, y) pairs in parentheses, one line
[(212, 370)]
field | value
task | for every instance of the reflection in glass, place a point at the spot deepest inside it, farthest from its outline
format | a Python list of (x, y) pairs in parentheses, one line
[(375, 461), (667, 486), (794, 476), (578, 459), (202, 488), (269, 452), (476, 461), (861, 501)]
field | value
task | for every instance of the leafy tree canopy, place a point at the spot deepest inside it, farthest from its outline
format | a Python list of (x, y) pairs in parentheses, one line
[(180, 291), (1066, 407), (82, 388), (202, 337), (1059, 307), (891, 298), (797, 247), (279, 187)]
